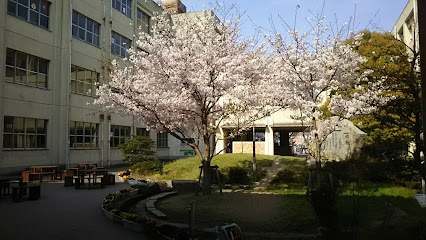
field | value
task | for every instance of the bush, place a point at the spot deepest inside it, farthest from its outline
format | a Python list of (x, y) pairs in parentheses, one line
[(238, 175), (284, 176), (138, 149), (148, 167)]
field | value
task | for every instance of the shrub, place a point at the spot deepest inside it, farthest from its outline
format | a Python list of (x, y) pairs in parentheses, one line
[(148, 167), (284, 176), (238, 175), (138, 149)]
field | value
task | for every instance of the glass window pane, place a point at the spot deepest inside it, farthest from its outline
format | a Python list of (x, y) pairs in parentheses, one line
[(7, 141), (89, 37), (44, 21), (11, 7), (22, 12), (96, 29), (88, 89), (32, 63), (81, 21), (35, 5), (87, 141), (81, 33), (30, 124), (34, 17), (87, 129), (41, 126), (32, 78), (74, 30), (21, 76), (116, 131), (79, 128), (8, 124), (127, 132), (80, 87), (116, 142), (42, 80), (96, 40), (74, 18), (80, 74), (42, 68), (10, 73), (10, 57), (72, 128), (30, 141), (73, 85), (41, 141), (23, 2), (89, 25), (79, 141), (21, 60), (18, 140), (44, 7), (72, 142)]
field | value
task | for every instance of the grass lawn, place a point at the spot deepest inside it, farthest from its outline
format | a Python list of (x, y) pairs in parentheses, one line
[(384, 211), (187, 169)]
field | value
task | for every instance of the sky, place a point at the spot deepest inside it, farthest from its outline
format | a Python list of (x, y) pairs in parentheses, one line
[(382, 13)]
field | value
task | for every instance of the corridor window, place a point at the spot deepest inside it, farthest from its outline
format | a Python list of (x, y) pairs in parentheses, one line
[(83, 135), (21, 133), (26, 69), (123, 6), (85, 29), (33, 11), (119, 134), (119, 44), (143, 20), (162, 139), (84, 81)]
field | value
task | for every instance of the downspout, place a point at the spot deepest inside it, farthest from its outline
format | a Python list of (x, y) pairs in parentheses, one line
[(67, 147)]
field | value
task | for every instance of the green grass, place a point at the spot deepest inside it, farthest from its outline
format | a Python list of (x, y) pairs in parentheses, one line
[(188, 168)]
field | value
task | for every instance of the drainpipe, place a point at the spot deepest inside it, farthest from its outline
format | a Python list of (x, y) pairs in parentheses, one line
[(67, 147)]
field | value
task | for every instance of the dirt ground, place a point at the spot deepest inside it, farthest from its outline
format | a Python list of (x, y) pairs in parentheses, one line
[(253, 212)]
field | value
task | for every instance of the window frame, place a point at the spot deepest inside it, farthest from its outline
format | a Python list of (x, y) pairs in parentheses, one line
[(16, 68), (121, 138), (25, 134), (140, 22), (144, 132), (76, 29), (123, 41), (123, 6), (75, 81), (74, 134), (162, 139), (30, 10)]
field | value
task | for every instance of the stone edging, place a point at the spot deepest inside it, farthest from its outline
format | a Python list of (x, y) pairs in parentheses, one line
[(150, 204)]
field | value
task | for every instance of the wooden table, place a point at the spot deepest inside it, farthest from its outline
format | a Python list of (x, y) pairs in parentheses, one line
[(86, 165), (92, 174), (43, 170)]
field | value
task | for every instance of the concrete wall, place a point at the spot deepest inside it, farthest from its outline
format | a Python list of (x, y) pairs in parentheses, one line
[(57, 104)]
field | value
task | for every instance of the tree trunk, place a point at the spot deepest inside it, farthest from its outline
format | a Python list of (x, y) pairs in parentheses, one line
[(207, 177)]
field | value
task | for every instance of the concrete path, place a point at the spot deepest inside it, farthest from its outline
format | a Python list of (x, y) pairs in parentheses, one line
[(61, 214)]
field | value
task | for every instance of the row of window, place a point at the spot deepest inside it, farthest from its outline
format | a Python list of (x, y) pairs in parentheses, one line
[(83, 27), (29, 133)]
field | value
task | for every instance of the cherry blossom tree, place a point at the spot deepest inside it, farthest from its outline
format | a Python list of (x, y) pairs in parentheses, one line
[(192, 74), (321, 76)]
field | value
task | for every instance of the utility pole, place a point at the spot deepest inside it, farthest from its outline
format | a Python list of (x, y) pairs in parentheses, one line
[(421, 20)]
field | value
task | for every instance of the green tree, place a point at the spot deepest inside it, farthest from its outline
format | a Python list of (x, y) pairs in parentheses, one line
[(392, 128), (138, 149)]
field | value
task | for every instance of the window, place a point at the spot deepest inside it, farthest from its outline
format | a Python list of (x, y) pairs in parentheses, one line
[(119, 134), (142, 132), (85, 29), (26, 69), (143, 20), (162, 139), (24, 133), (124, 6), (83, 81), (33, 11), (83, 135), (119, 44)]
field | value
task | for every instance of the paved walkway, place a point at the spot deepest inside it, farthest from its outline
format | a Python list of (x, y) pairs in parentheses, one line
[(61, 214)]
